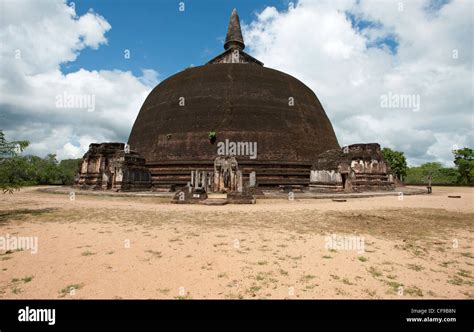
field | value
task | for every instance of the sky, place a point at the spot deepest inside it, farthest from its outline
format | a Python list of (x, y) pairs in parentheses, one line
[(399, 73)]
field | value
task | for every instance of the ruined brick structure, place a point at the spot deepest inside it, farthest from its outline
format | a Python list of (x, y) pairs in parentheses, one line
[(109, 166), (357, 167)]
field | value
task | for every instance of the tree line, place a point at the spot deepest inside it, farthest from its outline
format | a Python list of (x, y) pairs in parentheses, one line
[(461, 174), (17, 171)]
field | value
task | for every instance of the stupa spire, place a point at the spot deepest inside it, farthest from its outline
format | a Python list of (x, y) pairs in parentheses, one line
[(234, 39)]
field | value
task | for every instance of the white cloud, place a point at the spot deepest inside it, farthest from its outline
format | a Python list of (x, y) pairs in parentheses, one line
[(91, 28), (317, 43), (37, 37)]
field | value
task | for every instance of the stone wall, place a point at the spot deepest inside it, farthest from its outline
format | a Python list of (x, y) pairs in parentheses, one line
[(326, 180), (357, 167), (109, 166)]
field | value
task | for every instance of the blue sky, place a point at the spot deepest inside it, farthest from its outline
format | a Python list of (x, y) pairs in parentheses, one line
[(159, 36), (350, 53)]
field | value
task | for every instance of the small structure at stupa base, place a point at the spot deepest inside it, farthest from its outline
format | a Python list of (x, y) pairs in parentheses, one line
[(223, 185), (354, 168), (111, 166)]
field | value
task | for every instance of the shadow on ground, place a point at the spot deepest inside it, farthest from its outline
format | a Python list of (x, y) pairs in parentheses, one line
[(22, 214)]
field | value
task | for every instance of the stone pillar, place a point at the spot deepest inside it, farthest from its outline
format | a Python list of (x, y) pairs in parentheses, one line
[(239, 181), (196, 179), (253, 179), (216, 180), (204, 180), (232, 180), (210, 180)]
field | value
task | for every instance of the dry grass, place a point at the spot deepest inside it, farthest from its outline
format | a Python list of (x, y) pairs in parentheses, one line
[(397, 224), (280, 247)]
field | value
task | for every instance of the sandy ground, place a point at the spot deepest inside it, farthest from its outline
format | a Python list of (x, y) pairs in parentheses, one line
[(122, 247)]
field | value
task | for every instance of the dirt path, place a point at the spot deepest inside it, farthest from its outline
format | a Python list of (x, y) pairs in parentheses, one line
[(121, 247)]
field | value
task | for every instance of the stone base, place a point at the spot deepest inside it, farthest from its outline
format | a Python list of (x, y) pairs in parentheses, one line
[(186, 196), (291, 188), (241, 198), (212, 201), (326, 188), (199, 196)]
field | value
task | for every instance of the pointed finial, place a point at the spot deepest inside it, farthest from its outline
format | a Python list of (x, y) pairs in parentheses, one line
[(234, 39)]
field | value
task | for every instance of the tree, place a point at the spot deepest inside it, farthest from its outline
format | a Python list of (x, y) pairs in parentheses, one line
[(11, 166), (67, 170), (48, 170), (10, 149), (464, 161), (397, 162), (430, 168), (440, 175)]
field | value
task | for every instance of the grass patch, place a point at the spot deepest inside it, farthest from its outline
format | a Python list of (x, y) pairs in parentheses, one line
[(374, 272), (394, 285), (346, 281), (464, 273), (447, 263), (362, 258), (180, 297), (260, 277), (69, 289), (254, 289), (295, 258), (467, 254), (415, 267), (156, 254), (455, 280), (27, 279), (24, 214), (307, 277), (413, 291), (311, 286), (458, 281), (283, 272), (164, 291)]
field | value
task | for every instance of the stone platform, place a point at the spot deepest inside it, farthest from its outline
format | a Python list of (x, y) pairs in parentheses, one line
[(267, 194)]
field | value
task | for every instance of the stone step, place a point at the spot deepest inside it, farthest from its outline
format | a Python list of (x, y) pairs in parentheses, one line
[(214, 201), (217, 196)]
